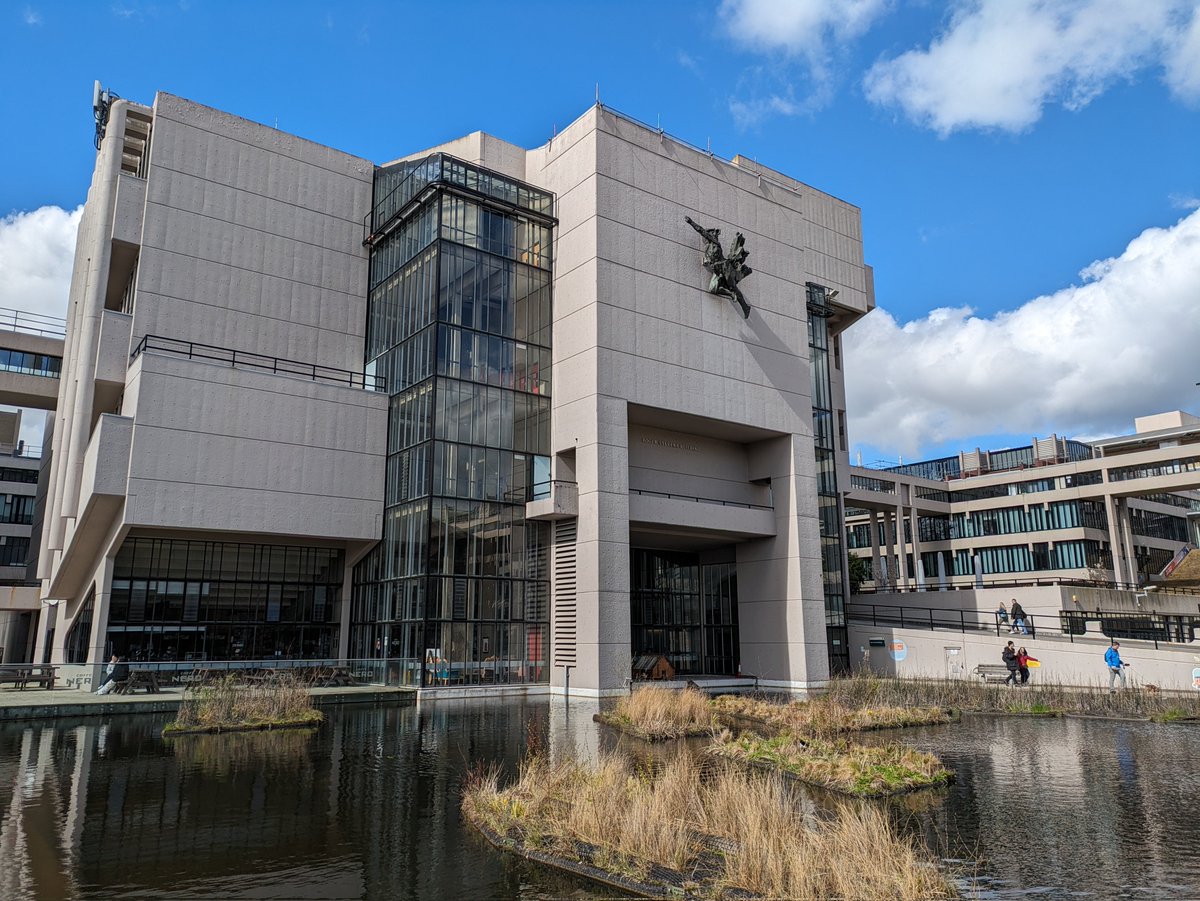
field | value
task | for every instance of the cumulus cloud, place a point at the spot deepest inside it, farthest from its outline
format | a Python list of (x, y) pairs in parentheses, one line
[(797, 26), (1183, 62), (37, 250), (998, 63), (1084, 360), (806, 35)]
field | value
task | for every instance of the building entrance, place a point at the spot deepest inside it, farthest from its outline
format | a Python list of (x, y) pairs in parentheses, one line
[(684, 606)]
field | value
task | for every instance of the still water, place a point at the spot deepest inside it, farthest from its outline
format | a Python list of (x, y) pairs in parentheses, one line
[(368, 806)]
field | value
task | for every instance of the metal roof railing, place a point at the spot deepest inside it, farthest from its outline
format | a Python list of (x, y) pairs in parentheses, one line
[(240, 359), (32, 323)]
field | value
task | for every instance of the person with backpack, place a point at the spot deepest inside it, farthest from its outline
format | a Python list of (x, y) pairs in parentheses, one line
[(1116, 666), (1018, 617), (1009, 656)]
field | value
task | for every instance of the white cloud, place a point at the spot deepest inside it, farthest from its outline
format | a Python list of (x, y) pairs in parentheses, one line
[(1183, 62), (1084, 360), (32, 16), (808, 34), (799, 26), (37, 251), (998, 63)]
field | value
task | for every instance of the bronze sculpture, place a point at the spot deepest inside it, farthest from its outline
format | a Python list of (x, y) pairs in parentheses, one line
[(726, 271)]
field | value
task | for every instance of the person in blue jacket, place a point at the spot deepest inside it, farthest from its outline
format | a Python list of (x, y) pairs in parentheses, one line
[(1116, 666)]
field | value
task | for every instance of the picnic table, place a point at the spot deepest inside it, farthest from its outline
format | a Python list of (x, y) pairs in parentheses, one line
[(335, 677), (145, 679), (21, 674)]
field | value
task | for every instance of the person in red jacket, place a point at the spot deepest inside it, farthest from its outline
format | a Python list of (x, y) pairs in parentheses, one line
[(1023, 659)]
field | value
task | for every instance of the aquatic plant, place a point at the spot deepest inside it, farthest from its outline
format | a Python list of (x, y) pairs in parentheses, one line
[(228, 703), (826, 716), (733, 831), (864, 690), (656, 713), (860, 770)]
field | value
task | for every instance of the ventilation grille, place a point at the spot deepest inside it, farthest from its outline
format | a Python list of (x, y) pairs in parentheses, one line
[(564, 622)]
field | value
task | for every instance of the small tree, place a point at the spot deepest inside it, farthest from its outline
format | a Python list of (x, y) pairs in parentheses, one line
[(860, 571)]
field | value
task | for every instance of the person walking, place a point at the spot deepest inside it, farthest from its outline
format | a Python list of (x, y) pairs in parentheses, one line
[(1018, 618), (1116, 666), (1023, 661), (1002, 616), (1009, 656)]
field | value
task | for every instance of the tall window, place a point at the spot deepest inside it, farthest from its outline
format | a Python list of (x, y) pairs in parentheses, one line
[(459, 321), (828, 501)]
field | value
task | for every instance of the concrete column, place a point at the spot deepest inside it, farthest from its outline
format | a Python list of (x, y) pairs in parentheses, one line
[(1131, 566), (1114, 538), (604, 651), (876, 570), (70, 443), (781, 595), (889, 573), (901, 547), (941, 559), (918, 569)]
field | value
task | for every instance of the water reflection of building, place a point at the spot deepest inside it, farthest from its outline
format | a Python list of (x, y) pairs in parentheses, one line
[(87, 810)]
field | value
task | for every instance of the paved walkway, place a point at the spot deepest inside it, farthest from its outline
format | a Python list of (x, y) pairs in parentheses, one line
[(42, 703)]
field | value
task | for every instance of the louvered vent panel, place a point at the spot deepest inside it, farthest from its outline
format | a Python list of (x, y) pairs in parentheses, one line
[(564, 592)]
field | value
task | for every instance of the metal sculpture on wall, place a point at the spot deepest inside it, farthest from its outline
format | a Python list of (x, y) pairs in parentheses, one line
[(726, 271)]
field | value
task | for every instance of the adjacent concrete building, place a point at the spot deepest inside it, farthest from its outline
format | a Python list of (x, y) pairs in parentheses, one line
[(472, 416), (1117, 511)]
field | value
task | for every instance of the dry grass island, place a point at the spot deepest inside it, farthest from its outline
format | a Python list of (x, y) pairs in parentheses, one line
[(655, 713), (227, 704), (728, 834)]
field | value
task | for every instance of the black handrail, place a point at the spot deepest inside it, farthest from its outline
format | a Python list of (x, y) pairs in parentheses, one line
[(967, 583), (240, 359), (700, 500), (934, 618)]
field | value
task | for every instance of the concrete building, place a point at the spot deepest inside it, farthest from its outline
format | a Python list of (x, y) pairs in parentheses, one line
[(471, 416), (1096, 541), (1116, 511)]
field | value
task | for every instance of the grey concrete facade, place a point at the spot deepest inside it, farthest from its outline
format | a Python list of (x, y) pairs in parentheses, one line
[(661, 387), (676, 423), (206, 236)]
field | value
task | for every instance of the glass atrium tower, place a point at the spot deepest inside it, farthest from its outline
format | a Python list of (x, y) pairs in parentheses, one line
[(459, 324)]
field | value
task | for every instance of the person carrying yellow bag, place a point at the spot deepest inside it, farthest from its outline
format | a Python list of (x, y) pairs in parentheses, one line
[(1024, 662)]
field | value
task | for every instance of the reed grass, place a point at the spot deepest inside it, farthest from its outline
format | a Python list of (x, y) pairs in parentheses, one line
[(827, 716), (859, 770), (655, 713), (864, 690), (225, 704), (732, 831)]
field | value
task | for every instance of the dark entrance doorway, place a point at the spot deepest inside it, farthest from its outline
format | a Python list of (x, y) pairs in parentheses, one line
[(684, 606)]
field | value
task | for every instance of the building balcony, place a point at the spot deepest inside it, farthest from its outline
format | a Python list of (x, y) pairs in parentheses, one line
[(556, 499)]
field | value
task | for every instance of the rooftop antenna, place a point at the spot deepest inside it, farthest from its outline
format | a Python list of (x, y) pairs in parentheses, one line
[(598, 103), (101, 102)]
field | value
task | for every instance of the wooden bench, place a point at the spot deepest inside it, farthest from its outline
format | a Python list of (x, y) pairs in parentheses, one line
[(992, 672), (145, 679), (43, 675), (21, 674)]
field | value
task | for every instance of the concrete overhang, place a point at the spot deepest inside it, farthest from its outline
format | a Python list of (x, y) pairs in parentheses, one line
[(102, 497), (729, 521)]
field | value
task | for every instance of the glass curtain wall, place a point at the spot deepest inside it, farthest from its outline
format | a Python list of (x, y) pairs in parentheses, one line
[(685, 610), (830, 515), (213, 600), (459, 321)]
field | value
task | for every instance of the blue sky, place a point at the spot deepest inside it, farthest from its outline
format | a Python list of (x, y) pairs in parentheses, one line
[(998, 149)]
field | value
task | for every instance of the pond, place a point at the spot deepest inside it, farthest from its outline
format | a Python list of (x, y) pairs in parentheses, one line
[(368, 806)]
